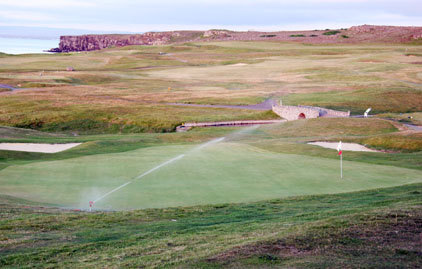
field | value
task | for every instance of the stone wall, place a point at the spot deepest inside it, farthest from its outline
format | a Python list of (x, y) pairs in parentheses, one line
[(307, 112)]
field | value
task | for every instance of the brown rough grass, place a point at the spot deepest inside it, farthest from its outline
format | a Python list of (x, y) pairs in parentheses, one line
[(381, 240), (409, 141)]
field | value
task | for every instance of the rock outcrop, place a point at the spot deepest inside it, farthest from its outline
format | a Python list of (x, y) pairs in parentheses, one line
[(380, 33), (216, 34), (353, 35), (97, 42)]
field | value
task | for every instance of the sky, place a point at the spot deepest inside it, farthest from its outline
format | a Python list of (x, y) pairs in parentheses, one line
[(165, 15)]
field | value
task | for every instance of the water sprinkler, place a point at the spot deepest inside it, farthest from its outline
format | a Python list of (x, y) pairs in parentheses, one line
[(91, 203)]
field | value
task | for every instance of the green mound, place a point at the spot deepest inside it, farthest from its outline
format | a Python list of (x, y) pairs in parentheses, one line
[(221, 173)]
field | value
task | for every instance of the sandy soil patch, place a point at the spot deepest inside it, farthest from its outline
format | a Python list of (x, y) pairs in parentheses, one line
[(32, 147), (239, 64), (345, 146)]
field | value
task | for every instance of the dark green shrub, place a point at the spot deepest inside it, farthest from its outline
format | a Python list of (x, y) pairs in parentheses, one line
[(297, 35), (331, 32)]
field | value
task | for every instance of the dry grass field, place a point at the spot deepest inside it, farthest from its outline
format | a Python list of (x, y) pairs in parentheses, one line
[(126, 89), (262, 197)]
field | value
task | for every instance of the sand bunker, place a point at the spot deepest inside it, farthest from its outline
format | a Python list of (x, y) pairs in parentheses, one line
[(239, 64), (31, 147), (345, 146)]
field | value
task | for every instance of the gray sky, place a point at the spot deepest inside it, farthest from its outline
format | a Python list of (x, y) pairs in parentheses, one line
[(160, 15)]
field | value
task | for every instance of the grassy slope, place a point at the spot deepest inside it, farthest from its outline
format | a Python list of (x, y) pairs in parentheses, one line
[(412, 118), (226, 172), (185, 237), (379, 134), (95, 144), (123, 89), (262, 163), (381, 239)]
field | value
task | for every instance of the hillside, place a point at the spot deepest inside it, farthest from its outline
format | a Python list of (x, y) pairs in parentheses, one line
[(135, 193), (355, 34), (136, 89), (378, 228)]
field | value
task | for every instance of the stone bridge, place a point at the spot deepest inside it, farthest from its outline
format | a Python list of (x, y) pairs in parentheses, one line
[(307, 112)]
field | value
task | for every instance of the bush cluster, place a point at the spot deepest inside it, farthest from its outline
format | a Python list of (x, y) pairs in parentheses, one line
[(331, 32)]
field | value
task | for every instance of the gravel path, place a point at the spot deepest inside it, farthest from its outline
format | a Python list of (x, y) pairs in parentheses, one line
[(414, 127)]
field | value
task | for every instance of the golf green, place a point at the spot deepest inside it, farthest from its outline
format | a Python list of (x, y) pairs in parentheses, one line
[(219, 173)]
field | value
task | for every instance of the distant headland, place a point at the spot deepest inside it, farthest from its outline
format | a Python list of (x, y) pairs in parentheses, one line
[(355, 34)]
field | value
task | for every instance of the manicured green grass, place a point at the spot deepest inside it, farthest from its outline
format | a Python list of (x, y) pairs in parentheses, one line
[(225, 172), (95, 144), (408, 160), (193, 236)]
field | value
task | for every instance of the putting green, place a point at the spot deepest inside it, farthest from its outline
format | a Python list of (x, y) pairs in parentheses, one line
[(219, 173)]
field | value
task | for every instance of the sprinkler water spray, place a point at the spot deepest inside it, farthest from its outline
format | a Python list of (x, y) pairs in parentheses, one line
[(91, 203)]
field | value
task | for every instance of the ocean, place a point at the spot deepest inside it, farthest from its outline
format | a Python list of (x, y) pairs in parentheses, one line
[(26, 45)]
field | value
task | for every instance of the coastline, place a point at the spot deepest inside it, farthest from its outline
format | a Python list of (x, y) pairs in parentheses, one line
[(16, 46)]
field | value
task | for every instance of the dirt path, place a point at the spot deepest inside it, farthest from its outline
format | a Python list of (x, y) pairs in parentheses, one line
[(414, 127), (6, 86), (15, 90)]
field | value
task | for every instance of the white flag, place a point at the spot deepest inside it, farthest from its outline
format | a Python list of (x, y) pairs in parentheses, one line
[(339, 148)]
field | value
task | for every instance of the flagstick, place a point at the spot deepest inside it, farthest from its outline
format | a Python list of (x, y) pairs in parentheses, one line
[(340, 152)]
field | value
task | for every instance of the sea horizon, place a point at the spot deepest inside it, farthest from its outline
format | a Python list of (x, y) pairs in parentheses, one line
[(23, 45)]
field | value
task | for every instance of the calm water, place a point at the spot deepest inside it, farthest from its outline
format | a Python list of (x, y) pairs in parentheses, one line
[(26, 45)]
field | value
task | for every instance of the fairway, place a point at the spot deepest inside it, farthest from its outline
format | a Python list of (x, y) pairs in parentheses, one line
[(245, 142), (226, 172)]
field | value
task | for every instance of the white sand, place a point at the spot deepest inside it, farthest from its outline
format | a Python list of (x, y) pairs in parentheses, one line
[(31, 147), (239, 64), (345, 146)]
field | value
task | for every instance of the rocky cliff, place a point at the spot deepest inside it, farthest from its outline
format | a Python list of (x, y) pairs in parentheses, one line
[(355, 34), (97, 42), (381, 33)]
